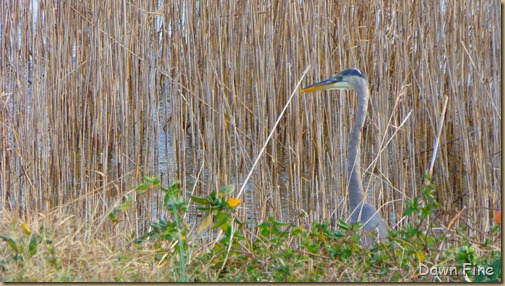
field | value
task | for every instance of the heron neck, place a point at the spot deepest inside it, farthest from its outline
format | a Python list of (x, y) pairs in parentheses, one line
[(356, 194)]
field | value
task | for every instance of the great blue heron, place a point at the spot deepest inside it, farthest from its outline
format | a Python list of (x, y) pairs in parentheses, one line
[(361, 211)]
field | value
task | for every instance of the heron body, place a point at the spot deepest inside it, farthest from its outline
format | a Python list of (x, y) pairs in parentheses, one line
[(361, 211)]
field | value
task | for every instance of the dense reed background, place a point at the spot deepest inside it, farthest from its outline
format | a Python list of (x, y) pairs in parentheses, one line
[(96, 94)]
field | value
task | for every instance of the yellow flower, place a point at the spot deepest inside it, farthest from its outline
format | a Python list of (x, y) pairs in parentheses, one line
[(233, 202)]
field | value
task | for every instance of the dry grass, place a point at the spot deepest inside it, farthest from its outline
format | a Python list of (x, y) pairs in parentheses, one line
[(94, 95)]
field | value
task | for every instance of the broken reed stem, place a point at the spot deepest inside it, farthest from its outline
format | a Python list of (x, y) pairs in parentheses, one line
[(437, 139), (272, 132)]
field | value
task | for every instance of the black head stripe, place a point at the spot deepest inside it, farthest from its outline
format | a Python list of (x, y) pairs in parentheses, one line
[(353, 71)]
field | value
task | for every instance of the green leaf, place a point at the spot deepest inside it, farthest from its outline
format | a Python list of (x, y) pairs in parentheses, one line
[(225, 226), (221, 218), (130, 197), (174, 188), (412, 206), (199, 200), (149, 179), (154, 180), (11, 242), (342, 224), (124, 206), (26, 229), (297, 231), (32, 247), (426, 211), (207, 221), (279, 223), (420, 255), (339, 234), (226, 190), (429, 194), (143, 186), (113, 216)]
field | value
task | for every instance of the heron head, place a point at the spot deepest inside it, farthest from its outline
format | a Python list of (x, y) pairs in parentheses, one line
[(348, 79)]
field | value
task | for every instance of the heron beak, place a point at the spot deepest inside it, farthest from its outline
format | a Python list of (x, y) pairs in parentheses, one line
[(326, 84)]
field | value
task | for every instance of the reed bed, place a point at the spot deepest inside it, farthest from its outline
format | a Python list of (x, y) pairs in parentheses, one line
[(97, 94)]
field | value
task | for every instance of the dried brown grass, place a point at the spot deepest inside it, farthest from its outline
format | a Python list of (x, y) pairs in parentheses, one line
[(96, 94)]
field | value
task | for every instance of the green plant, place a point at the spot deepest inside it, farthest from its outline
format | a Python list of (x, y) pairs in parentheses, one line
[(417, 230), (28, 246), (173, 230), (273, 250), (218, 208)]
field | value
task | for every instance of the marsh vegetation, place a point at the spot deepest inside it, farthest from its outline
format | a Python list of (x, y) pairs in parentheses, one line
[(95, 96)]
